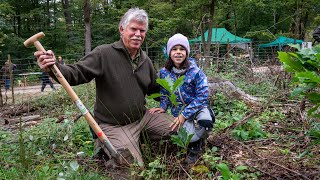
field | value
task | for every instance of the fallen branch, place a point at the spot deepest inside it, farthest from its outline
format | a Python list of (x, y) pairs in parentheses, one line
[(18, 111), (238, 123), (230, 90), (23, 119)]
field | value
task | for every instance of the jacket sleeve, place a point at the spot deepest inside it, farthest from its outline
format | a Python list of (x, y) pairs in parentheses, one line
[(86, 69), (201, 96), (164, 100), (154, 86), (316, 34)]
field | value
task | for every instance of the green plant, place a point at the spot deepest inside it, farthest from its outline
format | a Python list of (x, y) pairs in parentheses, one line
[(155, 170), (182, 139), (250, 130), (211, 157), (305, 65), (168, 84)]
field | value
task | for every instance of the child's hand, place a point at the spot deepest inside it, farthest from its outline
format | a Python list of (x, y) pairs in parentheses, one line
[(178, 121), (156, 110)]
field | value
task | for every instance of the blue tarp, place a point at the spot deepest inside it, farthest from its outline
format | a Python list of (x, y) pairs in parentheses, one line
[(281, 41), (220, 36)]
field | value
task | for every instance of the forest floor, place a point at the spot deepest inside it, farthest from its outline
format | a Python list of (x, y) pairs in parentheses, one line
[(290, 155)]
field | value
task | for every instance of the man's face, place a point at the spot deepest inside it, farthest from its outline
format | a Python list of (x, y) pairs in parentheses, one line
[(133, 35)]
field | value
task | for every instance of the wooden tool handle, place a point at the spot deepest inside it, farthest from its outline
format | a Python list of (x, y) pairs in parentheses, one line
[(93, 124)]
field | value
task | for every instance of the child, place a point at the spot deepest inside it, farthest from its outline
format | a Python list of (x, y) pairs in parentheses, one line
[(192, 96)]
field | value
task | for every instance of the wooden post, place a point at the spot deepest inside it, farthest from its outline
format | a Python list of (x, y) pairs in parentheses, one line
[(1, 100), (11, 78)]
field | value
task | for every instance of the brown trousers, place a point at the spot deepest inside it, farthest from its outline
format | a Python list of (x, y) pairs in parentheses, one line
[(127, 136)]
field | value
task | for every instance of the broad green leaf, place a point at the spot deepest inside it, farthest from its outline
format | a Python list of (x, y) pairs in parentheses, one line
[(308, 77), (297, 91), (164, 83), (173, 99), (155, 95), (314, 97), (241, 168), (314, 109), (293, 55), (170, 83), (178, 83), (297, 46), (177, 141), (292, 65), (224, 169)]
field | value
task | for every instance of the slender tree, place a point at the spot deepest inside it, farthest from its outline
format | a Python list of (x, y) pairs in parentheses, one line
[(87, 24)]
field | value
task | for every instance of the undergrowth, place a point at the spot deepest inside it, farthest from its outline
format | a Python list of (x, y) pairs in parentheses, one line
[(64, 150)]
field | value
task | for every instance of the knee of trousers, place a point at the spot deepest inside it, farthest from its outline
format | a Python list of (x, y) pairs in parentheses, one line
[(198, 132)]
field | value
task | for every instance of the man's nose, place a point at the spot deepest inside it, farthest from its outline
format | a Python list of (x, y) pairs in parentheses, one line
[(137, 33)]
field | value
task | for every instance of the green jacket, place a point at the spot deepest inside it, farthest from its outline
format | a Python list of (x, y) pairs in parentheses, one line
[(120, 90)]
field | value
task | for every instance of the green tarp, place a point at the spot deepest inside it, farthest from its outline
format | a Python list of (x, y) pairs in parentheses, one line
[(281, 41), (220, 36)]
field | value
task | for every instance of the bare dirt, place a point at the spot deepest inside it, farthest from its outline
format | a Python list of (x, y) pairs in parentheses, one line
[(22, 94)]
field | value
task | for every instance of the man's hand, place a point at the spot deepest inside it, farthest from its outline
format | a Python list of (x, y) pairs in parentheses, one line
[(178, 121), (156, 110), (45, 59)]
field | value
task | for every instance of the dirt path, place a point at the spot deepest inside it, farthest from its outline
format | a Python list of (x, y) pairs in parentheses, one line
[(25, 93)]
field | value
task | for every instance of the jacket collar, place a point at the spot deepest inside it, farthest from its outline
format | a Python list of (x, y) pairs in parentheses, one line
[(119, 45)]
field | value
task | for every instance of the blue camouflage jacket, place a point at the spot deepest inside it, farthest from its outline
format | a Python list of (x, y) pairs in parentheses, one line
[(194, 91)]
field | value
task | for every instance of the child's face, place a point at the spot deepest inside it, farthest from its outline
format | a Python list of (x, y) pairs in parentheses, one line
[(178, 54)]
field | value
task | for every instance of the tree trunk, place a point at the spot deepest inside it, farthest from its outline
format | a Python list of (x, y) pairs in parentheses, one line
[(208, 43), (1, 100), (67, 15), (48, 14), (18, 21), (87, 24)]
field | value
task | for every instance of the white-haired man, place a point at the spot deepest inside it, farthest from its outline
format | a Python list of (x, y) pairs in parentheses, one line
[(124, 75)]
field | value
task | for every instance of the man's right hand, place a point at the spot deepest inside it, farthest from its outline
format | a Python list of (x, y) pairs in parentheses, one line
[(156, 110), (45, 59)]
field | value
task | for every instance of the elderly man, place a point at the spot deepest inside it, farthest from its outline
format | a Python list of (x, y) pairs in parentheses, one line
[(124, 75)]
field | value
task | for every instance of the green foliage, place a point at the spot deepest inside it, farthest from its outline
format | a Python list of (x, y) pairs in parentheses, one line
[(314, 132), (231, 111), (305, 64), (215, 163), (168, 84), (250, 130), (182, 139), (155, 170), (50, 150)]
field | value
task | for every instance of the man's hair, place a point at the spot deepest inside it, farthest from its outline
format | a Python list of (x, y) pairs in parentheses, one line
[(137, 14)]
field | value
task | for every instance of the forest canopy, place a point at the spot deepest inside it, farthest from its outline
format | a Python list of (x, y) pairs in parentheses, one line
[(74, 27)]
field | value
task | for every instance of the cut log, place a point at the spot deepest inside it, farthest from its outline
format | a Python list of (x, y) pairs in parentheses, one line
[(23, 119), (230, 90), (17, 111)]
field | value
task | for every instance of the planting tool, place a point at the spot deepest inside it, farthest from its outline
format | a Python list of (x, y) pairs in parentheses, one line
[(110, 149)]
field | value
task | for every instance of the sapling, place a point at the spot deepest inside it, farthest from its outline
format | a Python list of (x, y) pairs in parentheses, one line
[(182, 139)]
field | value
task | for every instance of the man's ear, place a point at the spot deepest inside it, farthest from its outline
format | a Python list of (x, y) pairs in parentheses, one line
[(121, 30)]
